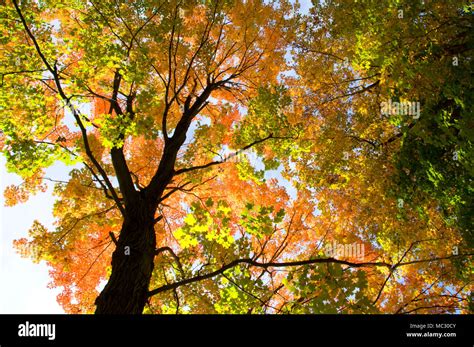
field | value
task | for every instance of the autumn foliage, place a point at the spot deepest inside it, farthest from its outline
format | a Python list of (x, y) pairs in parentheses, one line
[(238, 149)]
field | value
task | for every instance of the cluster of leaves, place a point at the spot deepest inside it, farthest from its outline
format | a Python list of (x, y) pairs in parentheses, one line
[(329, 289)]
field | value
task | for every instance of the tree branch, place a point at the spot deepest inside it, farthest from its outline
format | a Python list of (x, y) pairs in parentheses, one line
[(291, 264), (173, 254), (75, 113), (213, 163)]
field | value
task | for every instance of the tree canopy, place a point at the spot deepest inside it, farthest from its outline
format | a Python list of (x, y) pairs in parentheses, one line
[(232, 156)]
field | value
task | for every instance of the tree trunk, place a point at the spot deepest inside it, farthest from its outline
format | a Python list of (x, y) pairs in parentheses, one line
[(132, 263), (133, 259)]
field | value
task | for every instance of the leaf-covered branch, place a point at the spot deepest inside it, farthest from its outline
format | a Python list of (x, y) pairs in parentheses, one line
[(54, 71), (254, 263)]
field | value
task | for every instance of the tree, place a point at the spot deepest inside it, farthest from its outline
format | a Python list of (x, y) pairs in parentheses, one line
[(187, 130), (402, 168)]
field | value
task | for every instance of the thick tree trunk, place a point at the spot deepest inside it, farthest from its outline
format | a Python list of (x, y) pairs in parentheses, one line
[(132, 263)]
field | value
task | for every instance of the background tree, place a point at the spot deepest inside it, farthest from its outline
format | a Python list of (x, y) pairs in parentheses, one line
[(209, 174), (408, 177)]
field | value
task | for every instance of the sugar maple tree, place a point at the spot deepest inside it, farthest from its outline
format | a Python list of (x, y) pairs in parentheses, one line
[(187, 137)]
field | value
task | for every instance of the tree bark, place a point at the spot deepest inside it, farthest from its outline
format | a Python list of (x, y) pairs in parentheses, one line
[(132, 263)]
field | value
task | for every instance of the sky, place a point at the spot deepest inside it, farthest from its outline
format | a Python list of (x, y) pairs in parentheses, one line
[(24, 284)]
